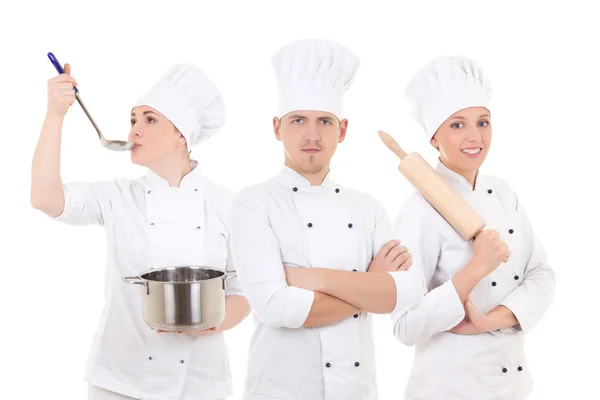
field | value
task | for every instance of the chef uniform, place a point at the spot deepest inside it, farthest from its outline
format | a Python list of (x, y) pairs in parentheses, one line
[(286, 221), (152, 225), (468, 367)]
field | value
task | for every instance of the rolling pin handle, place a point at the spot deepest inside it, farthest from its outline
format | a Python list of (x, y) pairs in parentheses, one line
[(392, 144)]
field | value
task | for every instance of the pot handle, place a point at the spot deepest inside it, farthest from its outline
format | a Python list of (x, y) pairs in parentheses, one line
[(137, 281), (228, 275)]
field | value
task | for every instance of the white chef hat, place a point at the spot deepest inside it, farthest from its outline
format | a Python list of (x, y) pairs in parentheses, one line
[(190, 100), (445, 86), (313, 74)]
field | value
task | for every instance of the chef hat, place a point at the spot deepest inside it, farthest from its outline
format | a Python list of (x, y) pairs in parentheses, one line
[(190, 100), (445, 86), (313, 74)]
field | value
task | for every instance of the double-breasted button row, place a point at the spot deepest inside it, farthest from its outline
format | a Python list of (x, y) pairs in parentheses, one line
[(295, 189), (505, 370), (328, 365), (310, 225), (152, 358)]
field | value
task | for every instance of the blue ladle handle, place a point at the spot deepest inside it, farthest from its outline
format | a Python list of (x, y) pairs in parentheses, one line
[(59, 67)]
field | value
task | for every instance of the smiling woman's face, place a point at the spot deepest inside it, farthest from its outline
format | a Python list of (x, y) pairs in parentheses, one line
[(464, 139)]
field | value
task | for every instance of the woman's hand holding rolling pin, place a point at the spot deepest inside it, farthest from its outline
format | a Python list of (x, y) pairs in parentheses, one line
[(60, 93), (489, 251), (391, 257)]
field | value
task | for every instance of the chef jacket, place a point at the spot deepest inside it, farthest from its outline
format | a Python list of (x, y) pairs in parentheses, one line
[(471, 367), (288, 222), (152, 225)]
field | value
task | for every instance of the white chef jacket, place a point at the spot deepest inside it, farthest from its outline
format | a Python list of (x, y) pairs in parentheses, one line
[(287, 222), (471, 367), (152, 225)]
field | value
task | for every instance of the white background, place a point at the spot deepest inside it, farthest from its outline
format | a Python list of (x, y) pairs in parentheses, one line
[(544, 66)]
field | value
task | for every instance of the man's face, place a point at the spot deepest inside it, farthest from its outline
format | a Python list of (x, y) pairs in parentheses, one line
[(309, 138)]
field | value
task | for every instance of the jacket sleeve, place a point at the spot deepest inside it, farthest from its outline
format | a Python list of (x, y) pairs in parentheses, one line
[(532, 298), (86, 203), (439, 309), (409, 284), (257, 258)]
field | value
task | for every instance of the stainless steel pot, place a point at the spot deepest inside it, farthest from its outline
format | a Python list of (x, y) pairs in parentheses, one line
[(182, 298)]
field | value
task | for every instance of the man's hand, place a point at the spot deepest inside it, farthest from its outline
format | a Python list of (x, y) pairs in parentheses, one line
[(391, 257)]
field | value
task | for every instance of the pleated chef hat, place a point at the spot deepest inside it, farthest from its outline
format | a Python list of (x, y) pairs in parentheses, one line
[(313, 74), (190, 100), (445, 86)]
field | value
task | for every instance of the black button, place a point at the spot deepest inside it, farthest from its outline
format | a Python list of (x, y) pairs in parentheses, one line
[(310, 224), (198, 228), (337, 190), (504, 370), (516, 277), (149, 191), (195, 190), (356, 364), (151, 223), (520, 368), (490, 191), (354, 270), (350, 225), (511, 231), (355, 315), (295, 189), (328, 365), (150, 358), (494, 283), (182, 361)]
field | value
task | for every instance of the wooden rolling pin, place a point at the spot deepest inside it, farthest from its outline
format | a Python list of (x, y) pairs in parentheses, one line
[(437, 192)]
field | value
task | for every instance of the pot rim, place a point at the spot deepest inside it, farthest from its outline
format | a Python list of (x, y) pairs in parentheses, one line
[(151, 270)]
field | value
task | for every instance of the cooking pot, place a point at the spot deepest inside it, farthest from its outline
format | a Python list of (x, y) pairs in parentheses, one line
[(182, 298)]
